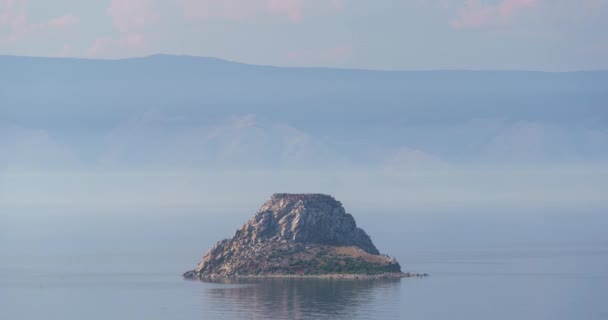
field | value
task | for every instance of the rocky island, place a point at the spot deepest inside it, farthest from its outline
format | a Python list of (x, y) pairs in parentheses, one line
[(298, 235)]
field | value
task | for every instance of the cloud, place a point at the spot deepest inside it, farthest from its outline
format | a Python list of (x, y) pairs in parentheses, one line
[(292, 10), (130, 15), (31, 148), (134, 40), (100, 46), (130, 18), (406, 158), (538, 142), (157, 139), (475, 13), (14, 18)]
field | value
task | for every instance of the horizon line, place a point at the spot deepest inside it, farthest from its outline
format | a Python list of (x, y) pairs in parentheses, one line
[(150, 56)]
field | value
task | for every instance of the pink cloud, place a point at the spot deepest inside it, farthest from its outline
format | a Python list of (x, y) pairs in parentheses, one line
[(129, 15), (475, 13), (293, 10), (134, 40), (129, 18), (14, 18), (100, 46), (12, 12), (508, 7)]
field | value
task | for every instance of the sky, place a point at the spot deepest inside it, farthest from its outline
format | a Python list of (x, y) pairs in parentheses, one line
[(548, 35)]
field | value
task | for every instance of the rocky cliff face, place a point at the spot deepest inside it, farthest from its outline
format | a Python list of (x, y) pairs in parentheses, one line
[(306, 218), (296, 234)]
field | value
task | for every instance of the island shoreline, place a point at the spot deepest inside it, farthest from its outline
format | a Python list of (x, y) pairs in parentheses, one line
[(192, 275), (307, 235)]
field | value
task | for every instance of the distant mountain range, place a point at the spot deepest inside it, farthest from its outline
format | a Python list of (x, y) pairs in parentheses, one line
[(181, 111)]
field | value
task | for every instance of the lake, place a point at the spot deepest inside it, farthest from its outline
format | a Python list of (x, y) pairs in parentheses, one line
[(128, 266)]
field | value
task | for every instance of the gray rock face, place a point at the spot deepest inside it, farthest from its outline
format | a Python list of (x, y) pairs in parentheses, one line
[(292, 228), (306, 218)]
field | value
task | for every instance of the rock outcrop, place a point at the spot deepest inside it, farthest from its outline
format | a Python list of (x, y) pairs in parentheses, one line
[(296, 234)]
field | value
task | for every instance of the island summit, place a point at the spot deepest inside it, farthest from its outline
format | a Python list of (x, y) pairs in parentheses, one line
[(298, 235)]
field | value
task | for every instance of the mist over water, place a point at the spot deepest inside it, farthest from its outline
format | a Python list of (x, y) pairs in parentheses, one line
[(494, 183), (126, 265)]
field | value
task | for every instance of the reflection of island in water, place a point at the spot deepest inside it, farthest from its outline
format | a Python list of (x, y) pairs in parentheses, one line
[(293, 298)]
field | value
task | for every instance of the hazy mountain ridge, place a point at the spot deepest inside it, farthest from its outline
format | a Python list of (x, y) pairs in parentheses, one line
[(189, 111), (187, 130)]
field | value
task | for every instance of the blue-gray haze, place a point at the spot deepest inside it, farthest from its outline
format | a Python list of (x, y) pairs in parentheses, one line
[(116, 176), (197, 131), (128, 266)]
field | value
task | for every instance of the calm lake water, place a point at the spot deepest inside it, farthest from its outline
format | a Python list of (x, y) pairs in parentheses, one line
[(128, 267)]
